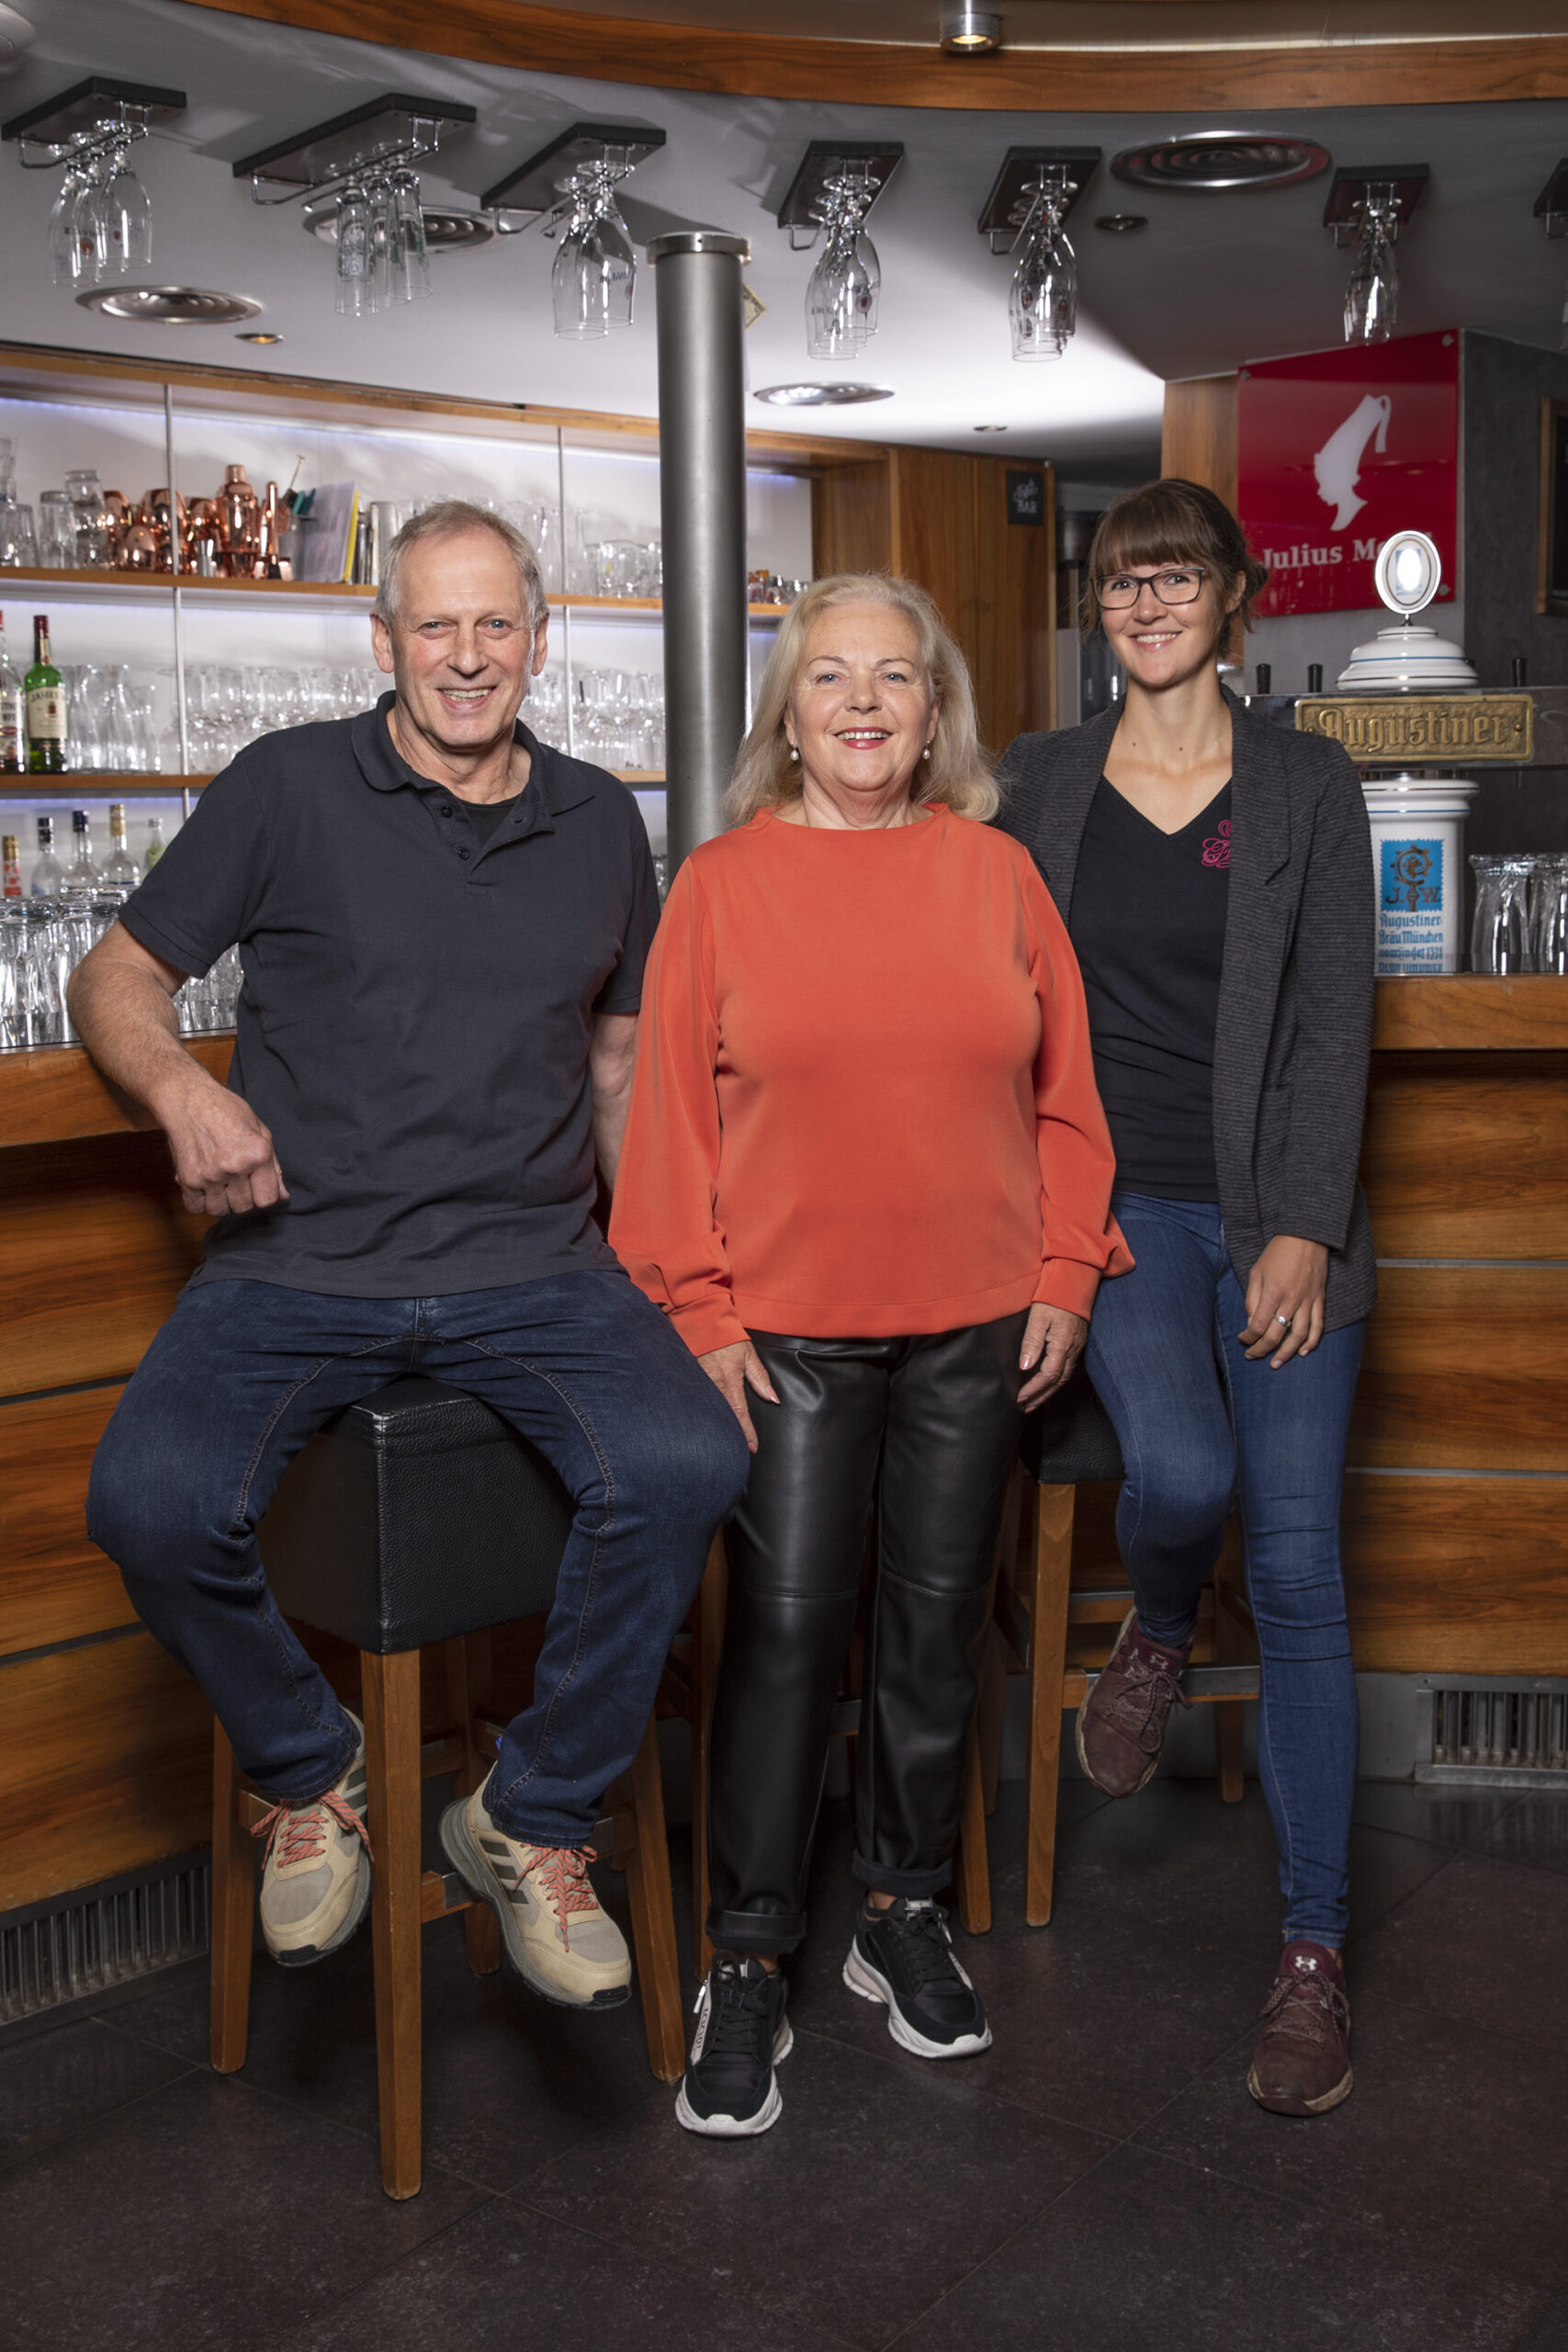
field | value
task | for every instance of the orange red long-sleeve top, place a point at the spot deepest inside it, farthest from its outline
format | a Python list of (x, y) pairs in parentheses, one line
[(864, 1102)]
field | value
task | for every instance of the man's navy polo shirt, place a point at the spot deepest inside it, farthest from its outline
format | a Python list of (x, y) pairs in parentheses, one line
[(417, 1005)]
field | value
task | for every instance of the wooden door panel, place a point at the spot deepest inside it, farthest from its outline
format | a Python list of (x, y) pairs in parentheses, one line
[(852, 518), (1015, 608), (106, 1765), (1466, 1368), (56, 1585), (1465, 1154), (97, 1247)]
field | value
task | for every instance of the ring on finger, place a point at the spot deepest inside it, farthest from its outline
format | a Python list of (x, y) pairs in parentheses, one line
[(1285, 1320)]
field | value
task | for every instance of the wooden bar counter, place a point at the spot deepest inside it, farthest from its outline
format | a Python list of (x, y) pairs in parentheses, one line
[(1456, 1545)]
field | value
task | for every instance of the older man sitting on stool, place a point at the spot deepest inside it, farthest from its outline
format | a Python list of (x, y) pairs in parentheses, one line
[(442, 925)]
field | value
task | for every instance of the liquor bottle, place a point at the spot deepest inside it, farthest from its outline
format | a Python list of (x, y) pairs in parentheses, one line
[(81, 874), (46, 707), (13, 714), (49, 875), (155, 843), (119, 866), (10, 867)]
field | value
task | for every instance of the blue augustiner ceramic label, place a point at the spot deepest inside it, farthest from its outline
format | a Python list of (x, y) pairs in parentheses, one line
[(1410, 904)]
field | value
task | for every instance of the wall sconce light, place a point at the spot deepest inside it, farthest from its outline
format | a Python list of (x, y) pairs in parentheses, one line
[(1368, 205), (1024, 215)]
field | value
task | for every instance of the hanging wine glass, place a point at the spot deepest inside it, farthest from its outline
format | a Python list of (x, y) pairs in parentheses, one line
[(411, 260), (842, 292), (128, 216), (1371, 298), (65, 253), (1042, 302), (356, 238), (593, 278)]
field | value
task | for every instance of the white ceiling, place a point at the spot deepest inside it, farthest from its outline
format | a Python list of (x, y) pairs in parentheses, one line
[(1214, 281)]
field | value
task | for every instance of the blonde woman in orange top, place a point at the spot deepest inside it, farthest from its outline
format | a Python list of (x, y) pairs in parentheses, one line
[(867, 1176)]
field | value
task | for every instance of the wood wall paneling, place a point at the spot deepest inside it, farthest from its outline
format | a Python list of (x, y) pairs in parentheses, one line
[(1461, 1575), (1015, 607), (852, 518), (1465, 1154), (106, 1765), (97, 1247), (933, 532), (1061, 81), (1466, 1368), (56, 1585), (1199, 442)]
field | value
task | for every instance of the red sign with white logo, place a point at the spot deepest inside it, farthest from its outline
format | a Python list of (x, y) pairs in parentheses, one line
[(1339, 449)]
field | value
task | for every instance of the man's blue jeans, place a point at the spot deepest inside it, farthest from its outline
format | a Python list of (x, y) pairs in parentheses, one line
[(1201, 1427), (584, 1365)]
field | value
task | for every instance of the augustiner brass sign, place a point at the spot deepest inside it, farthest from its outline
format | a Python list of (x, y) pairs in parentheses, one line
[(1424, 730)]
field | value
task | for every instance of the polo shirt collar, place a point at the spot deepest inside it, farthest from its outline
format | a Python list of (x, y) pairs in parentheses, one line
[(562, 782)]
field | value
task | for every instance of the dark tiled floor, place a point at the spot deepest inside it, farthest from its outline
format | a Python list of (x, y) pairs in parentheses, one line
[(1100, 2178)]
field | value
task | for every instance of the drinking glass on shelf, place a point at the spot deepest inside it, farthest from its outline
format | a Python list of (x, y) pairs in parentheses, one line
[(19, 542), (1549, 914), (1500, 934), (90, 513), (56, 530)]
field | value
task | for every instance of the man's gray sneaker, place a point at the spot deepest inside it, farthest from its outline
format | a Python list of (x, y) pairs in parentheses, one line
[(316, 1870), (556, 1935)]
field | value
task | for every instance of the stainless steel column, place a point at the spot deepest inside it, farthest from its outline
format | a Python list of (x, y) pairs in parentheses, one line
[(702, 492)]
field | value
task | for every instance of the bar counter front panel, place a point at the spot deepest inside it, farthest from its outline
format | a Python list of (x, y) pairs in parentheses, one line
[(1455, 1543)]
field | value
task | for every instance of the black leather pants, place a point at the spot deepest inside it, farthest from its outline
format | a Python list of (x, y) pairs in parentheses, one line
[(925, 1428)]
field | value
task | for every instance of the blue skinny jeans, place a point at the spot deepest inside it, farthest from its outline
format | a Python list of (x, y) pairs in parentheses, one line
[(581, 1363), (1202, 1428)]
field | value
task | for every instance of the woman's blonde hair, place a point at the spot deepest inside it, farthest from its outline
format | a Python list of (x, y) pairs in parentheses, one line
[(958, 773)]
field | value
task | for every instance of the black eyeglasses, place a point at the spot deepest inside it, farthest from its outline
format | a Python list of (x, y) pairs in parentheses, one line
[(1122, 589)]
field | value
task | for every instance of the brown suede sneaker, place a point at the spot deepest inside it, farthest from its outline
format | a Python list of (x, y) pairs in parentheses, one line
[(1121, 1725), (1302, 2063)]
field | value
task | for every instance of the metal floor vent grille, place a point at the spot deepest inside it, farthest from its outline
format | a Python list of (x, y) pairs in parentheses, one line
[(125, 1929), (1497, 1733)]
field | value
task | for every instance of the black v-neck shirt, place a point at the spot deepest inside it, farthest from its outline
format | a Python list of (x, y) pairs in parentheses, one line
[(1148, 926)]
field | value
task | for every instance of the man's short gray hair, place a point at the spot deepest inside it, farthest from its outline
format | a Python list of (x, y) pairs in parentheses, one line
[(443, 520)]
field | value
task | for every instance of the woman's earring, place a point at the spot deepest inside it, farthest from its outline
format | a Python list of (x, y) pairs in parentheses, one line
[(926, 752), (793, 754)]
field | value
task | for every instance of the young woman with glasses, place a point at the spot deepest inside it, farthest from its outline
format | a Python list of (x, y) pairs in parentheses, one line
[(1215, 875)]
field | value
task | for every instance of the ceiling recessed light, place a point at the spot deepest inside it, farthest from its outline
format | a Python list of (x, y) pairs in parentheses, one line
[(170, 306), (1221, 159), (970, 32), (258, 334), (1121, 224), (988, 428), (822, 395)]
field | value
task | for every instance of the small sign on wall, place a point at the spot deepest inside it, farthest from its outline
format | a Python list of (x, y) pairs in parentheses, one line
[(1026, 497), (1338, 450)]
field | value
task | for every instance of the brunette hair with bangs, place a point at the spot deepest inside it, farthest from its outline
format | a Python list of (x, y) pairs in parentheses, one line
[(1172, 520)]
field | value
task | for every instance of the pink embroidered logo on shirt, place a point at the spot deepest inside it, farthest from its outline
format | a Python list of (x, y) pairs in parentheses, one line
[(1217, 847)]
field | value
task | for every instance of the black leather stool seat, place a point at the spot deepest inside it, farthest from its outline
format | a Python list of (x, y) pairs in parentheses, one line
[(1069, 1441), (417, 1515)]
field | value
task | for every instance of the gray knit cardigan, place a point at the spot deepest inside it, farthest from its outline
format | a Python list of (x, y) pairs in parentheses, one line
[(1295, 1012)]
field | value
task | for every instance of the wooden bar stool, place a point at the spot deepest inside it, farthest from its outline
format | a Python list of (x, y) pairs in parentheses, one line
[(417, 1518), (1040, 1609)]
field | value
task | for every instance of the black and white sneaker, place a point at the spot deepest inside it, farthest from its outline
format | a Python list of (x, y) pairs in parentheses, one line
[(904, 1957), (729, 2091)]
